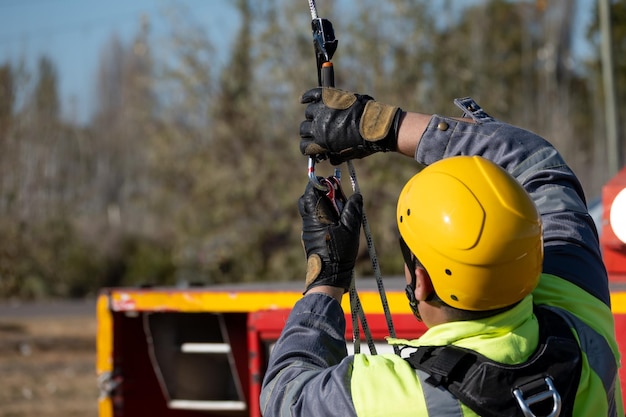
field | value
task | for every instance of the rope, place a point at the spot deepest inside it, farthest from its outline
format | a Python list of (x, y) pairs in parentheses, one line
[(356, 308), (374, 258)]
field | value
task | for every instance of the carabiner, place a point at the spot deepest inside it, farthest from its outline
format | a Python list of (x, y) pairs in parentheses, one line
[(334, 191), (313, 178)]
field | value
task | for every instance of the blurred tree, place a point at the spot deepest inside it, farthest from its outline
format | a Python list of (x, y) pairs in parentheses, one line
[(123, 123), (7, 110), (7, 99), (35, 155), (125, 131), (46, 97), (183, 152), (618, 49), (226, 224), (190, 168)]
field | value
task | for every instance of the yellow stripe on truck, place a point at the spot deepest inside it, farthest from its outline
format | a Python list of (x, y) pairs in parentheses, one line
[(239, 301)]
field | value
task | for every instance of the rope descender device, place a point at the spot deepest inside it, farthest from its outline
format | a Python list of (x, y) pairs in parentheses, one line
[(325, 46)]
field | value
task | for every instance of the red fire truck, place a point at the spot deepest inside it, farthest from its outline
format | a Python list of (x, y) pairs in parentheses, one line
[(183, 352)]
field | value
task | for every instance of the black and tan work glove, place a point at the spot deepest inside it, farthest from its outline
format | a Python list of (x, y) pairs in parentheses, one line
[(343, 125), (330, 239)]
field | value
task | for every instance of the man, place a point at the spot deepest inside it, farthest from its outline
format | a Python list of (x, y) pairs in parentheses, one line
[(502, 265)]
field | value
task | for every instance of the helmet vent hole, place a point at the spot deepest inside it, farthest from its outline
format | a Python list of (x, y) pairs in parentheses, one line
[(454, 297), (448, 272)]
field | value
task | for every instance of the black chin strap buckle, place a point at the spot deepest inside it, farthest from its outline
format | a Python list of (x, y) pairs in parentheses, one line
[(409, 290)]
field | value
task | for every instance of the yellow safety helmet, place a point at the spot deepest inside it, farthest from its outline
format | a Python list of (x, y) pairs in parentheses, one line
[(475, 230)]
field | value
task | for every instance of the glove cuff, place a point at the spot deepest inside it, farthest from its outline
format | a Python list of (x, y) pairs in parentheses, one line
[(379, 126)]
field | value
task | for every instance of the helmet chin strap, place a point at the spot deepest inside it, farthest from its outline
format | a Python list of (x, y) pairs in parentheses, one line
[(413, 303), (412, 263), (409, 290)]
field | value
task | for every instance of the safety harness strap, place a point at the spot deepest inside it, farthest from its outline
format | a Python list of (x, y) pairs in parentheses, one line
[(545, 385)]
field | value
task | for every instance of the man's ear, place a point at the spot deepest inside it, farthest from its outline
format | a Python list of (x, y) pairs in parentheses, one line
[(423, 284)]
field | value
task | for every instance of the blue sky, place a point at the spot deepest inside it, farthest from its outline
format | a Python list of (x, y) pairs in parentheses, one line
[(73, 32)]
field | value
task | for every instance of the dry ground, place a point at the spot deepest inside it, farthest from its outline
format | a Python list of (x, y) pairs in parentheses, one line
[(47, 366)]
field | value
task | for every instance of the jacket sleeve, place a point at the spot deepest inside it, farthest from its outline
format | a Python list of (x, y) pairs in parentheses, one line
[(309, 371), (572, 250)]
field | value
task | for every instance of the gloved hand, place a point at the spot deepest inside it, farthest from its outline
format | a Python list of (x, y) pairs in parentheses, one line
[(344, 125), (330, 240)]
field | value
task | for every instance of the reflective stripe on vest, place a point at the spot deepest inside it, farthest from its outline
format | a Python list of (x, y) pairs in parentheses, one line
[(439, 401)]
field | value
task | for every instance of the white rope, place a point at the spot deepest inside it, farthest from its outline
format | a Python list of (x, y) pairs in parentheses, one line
[(313, 9)]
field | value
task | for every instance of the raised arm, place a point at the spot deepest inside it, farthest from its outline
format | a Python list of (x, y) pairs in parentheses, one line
[(340, 124)]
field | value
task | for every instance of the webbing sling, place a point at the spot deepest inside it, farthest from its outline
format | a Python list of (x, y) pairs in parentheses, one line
[(545, 385)]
